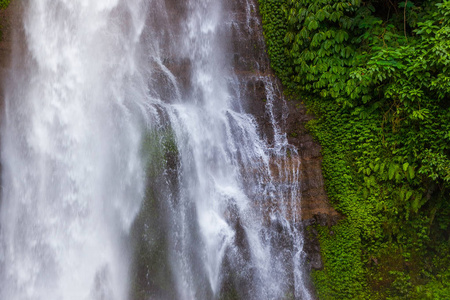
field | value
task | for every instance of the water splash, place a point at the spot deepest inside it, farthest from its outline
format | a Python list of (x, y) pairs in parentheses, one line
[(72, 177)]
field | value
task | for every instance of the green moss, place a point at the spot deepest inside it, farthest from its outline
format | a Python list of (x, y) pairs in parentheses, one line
[(342, 253), (4, 4), (149, 231)]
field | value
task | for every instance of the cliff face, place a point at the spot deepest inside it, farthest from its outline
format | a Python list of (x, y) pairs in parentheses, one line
[(7, 21), (12, 39), (252, 68), (10, 28), (6, 24)]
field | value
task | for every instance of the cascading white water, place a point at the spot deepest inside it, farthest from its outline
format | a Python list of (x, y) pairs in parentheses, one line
[(123, 100), (72, 177), (229, 203)]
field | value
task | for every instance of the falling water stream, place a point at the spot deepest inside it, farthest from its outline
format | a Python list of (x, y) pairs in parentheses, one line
[(132, 168)]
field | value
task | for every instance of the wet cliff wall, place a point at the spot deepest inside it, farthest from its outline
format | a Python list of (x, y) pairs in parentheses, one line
[(10, 37), (252, 66), (253, 69)]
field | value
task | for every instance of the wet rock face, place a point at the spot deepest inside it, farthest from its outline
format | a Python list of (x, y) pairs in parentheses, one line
[(314, 200), (312, 249), (10, 38), (251, 65)]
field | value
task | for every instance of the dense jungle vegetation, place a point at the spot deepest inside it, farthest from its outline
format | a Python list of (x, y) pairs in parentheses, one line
[(376, 74)]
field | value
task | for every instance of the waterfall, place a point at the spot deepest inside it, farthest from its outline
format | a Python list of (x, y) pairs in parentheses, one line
[(72, 176), (132, 166)]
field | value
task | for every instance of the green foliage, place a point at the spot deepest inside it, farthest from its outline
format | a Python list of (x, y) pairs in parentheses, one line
[(341, 249), (437, 289), (4, 3), (274, 24), (377, 76), (321, 44)]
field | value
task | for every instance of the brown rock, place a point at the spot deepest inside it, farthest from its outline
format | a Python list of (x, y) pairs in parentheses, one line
[(252, 69)]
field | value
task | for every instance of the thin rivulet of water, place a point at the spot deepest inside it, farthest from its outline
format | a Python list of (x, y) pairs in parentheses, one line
[(131, 169)]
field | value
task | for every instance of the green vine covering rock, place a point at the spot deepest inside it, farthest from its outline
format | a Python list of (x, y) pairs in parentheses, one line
[(4, 3), (377, 76)]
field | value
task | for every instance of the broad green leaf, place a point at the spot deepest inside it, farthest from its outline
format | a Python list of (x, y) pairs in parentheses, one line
[(411, 172), (391, 171), (405, 166), (408, 194)]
